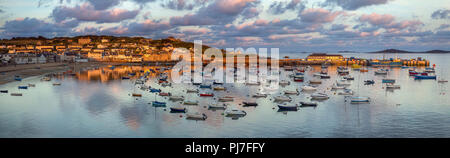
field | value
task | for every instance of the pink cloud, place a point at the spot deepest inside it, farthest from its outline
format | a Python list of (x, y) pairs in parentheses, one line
[(319, 15)]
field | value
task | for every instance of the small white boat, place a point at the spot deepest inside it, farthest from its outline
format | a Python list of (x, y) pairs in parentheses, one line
[(319, 96), (346, 92), (335, 86), (343, 71), (315, 81), (381, 72), (196, 116), (360, 100), (259, 95), (217, 106), (284, 83), (57, 84), (253, 83), (191, 90), (190, 102), (46, 79), (282, 98), (219, 88), (442, 81), (16, 94), (176, 97), (234, 112), (392, 86), (226, 99), (291, 92), (317, 74), (308, 88), (342, 84)]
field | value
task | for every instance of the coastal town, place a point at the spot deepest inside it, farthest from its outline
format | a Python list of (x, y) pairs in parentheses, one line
[(81, 49), (87, 48)]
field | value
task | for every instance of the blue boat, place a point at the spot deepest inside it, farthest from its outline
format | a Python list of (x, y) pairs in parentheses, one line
[(125, 78), (388, 81), (205, 86), (422, 77), (177, 109), (17, 78), (132, 74), (287, 107), (158, 104), (299, 73), (405, 67), (23, 87), (154, 90)]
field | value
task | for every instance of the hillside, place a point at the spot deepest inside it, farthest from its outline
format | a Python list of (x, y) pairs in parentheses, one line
[(403, 51)]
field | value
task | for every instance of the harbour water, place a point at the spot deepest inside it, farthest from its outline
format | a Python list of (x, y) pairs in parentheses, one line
[(98, 103)]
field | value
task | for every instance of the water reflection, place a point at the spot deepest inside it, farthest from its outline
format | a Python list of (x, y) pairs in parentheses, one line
[(98, 103)]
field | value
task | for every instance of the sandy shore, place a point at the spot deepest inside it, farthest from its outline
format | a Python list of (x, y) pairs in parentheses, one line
[(7, 73)]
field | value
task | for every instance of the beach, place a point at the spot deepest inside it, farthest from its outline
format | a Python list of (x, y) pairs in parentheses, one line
[(7, 73)]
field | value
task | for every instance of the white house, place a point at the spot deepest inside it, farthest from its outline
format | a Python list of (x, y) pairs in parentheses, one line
[(42, 59)]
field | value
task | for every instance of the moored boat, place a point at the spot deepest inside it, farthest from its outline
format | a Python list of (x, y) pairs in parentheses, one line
[(57, 84), (196, 116), (226, 99), (308, 88), (3, 91), (250, 103), (219, 88), (291, 92), (305, 104), (381, 72), (217, 106), (388, 81), (346, 92), (22, 87), (234, 112), (158, 104), (284, 83), (190, 102), (319, 96), (282, 98), (136, 95), (206, 94), (177, 109), (422, 77), (287, 107), (16, 94), (315, 81), (392, 86), (259, 95), (205, 86), (360, 100), (191, 90), (176, 97)]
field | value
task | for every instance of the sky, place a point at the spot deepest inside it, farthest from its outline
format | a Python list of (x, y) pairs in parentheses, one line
[(290, 25)]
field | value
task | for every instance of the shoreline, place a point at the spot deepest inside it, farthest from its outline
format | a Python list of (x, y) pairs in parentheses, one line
[(7, 73)]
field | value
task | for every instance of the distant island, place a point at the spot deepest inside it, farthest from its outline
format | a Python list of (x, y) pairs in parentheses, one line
[(403, 51)]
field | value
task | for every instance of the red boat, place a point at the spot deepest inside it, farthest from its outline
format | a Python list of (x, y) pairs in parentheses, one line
[(298, 80), (162, 81), (414, 73), (207, 95)]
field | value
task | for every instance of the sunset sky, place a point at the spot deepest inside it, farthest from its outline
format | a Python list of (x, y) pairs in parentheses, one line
[(291, 25)]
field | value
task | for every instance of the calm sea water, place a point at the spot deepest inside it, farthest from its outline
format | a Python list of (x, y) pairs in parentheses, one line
[(97, 103)]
